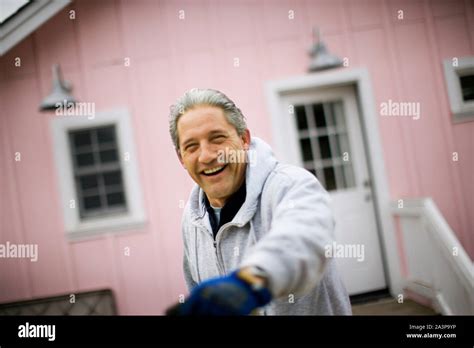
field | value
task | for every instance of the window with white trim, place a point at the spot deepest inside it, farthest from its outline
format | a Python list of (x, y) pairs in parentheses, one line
[(459, 75), (98, 173)]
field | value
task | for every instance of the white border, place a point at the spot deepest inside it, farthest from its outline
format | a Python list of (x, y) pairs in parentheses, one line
[(361, 79), (461, 110), (135, 216)]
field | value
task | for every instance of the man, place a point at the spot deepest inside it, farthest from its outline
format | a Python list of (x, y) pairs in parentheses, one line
[(254, 231)]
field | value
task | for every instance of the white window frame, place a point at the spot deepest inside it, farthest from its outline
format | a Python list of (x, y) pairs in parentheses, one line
[(462, 111), (134, 217)]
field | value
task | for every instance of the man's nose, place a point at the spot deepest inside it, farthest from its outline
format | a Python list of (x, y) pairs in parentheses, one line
[(207, 154)]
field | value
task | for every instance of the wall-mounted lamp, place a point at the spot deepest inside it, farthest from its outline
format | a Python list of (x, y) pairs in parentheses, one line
[(321, 59), (60, 93)]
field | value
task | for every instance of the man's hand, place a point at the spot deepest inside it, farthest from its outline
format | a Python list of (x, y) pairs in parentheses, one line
[(236, 294)]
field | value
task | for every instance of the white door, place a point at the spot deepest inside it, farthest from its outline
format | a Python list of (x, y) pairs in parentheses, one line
[(324, 135)]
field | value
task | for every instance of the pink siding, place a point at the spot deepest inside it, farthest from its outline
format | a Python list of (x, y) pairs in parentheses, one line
[(169, 56)]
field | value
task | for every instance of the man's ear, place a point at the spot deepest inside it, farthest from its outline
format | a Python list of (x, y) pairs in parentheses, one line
[(246, 139)]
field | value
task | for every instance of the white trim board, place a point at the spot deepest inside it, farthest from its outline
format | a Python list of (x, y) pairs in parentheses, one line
[(27, 21), (135, 216), (361, 80)]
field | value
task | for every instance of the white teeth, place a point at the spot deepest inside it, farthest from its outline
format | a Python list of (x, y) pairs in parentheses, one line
[(213, 170)]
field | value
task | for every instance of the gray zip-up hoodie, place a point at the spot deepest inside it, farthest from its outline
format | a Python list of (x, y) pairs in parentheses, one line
[(282, 228)]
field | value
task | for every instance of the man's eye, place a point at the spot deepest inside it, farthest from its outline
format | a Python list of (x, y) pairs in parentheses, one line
[(190, 147), (219, 138)]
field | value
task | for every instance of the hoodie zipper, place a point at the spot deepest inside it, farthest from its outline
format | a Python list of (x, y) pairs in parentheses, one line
[(220, 263)]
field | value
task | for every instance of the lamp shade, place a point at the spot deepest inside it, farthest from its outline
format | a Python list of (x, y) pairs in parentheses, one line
[(321, 58), (60, 93)]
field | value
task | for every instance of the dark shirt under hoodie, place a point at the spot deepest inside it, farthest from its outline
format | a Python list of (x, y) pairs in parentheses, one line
[(230, 209)]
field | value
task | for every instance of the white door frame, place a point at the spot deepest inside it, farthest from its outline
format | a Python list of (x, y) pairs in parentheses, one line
[(361, 80)]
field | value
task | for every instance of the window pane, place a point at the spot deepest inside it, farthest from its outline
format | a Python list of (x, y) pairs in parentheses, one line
[(467, 87), (116, 198), (342, 145), (108, 156), (340, 178), (82, 138), (339, 115), (85, 159), (88, 181), (112, 178), (92, 202), (324, 147), (318, 112), (330, 178), (301, 118), (336, 149), (100, 192), (306, 149), (106, 134), (330, 115), (348, 175)]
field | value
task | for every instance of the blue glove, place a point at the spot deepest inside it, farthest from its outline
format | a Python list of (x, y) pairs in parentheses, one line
[(229, 295)]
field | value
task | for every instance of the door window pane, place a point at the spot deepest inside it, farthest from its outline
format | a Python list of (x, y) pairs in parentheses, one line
[(328, 144), (306, 149), (319, 118), (330, 117), (324, 147), (330, 178), (313, 171), (301, 121), (348, 175), (341, 145), (338, 115)]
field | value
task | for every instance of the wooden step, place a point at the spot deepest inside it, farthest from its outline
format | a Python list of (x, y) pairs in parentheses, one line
[(390, 306)]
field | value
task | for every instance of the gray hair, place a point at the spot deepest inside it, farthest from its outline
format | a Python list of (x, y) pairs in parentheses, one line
[(211, 97)]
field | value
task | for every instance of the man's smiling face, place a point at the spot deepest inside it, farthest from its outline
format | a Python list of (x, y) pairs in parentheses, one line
[(203, 133)]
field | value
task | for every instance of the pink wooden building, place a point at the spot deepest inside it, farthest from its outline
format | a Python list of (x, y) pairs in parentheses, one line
[(389, 133)]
